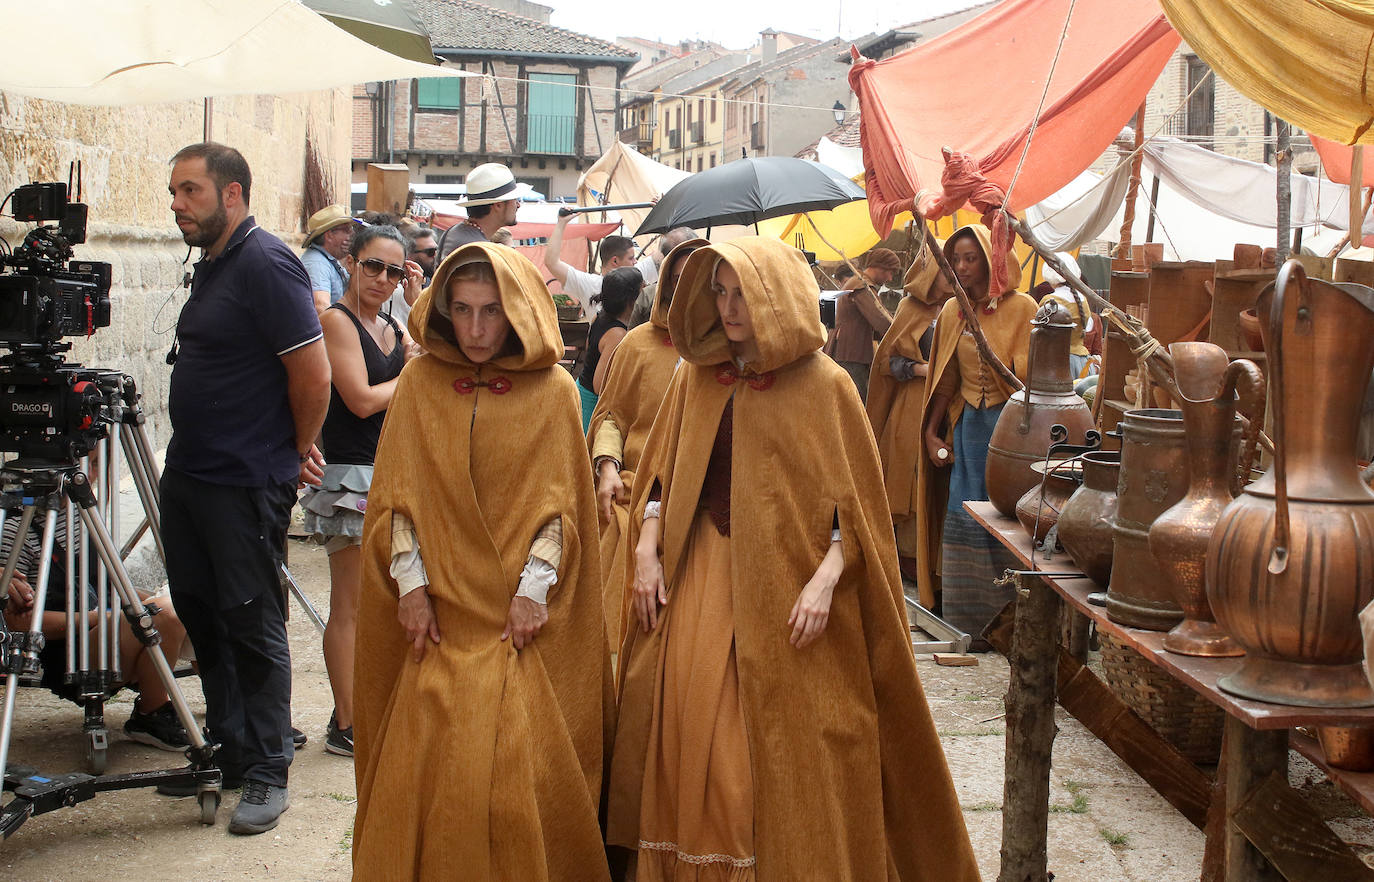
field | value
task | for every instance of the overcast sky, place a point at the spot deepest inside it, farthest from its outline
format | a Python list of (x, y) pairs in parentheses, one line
[(736, 23)]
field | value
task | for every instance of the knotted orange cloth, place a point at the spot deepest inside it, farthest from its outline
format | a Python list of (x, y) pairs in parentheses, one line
[(847, 777), (895, 407), (481, 762), (636, 383)]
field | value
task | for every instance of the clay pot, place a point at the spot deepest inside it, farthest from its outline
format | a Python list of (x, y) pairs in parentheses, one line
[(1022, 435), (1085, 523), (1207, 384), (1288, 568), (1039, 512), (1348, 747), (1250, 330), (1154, 477)]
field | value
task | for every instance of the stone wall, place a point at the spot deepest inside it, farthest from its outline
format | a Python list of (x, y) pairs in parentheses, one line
[(124, 152)]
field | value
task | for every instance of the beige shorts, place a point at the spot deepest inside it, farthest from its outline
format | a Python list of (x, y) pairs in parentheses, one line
[(339, 543)]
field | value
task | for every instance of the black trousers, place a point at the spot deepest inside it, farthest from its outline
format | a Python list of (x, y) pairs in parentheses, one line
[(223, 544)]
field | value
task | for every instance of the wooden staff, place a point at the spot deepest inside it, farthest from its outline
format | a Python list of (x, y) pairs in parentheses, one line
[(970, 311), (1123, 249)]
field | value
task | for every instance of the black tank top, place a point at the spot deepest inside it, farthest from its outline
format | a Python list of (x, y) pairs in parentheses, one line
[(600, 325), (347, 438)]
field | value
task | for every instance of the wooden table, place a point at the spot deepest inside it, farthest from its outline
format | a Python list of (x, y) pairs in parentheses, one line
[(1256, 827)]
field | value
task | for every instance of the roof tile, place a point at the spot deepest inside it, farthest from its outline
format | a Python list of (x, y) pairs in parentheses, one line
[(463, 24)]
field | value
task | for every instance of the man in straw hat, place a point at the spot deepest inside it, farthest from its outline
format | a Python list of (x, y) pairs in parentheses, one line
[(490, 204), (326, 242)]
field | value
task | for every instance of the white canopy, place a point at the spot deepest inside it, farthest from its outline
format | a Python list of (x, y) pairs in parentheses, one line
[(153, 51), (624, 175)]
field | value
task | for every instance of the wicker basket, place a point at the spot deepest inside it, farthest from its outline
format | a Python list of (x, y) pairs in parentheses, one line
[(1180, 715)]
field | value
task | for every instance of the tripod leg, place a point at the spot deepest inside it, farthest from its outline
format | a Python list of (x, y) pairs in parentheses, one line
[(112, 450), (201, 752), (144, 472)]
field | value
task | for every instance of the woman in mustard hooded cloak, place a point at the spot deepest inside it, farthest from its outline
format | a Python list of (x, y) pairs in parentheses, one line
[(964, 398), (897, 397), (482, 684), (636, 383), (772, 724)]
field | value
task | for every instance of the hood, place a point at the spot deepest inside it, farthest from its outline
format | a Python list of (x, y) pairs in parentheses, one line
[(985, 244), (1052, 276), (779, 289), (920, 279), (659, 316), (524, 297)]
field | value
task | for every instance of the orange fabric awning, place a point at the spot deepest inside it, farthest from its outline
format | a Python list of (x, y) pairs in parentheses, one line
[(1336, 160), (976, 90)]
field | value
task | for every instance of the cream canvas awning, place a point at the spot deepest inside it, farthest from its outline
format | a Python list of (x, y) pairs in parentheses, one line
[(154, 51)]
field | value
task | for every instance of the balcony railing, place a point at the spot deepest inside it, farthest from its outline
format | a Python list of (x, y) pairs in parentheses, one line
[(756, 136), (697, 132), (675, 139), (551, 133)]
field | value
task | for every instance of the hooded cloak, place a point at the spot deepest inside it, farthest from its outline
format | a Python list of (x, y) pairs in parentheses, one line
[(481, 760), (1007, 329), (895, 407), (636, 383), (849, 779)]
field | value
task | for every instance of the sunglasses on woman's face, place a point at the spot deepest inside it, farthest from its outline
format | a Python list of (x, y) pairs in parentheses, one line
[(372, 268)]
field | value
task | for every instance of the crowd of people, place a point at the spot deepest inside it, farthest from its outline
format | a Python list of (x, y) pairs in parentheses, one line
[(721, 501)]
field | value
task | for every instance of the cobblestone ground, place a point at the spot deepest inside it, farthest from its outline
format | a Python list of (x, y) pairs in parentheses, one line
[(1106, 824)]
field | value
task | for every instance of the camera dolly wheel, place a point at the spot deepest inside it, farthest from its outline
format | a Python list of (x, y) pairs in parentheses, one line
[(97, 751), (209, 805)]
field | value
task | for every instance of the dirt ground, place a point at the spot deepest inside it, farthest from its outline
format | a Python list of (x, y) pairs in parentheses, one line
[(1106, 824)]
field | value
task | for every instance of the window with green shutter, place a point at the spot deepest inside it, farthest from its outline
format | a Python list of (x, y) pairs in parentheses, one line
[(439, 93), (552, 119)]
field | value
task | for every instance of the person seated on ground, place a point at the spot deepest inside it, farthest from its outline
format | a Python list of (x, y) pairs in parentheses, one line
[(482, 687), (616, 299), (153, 721)]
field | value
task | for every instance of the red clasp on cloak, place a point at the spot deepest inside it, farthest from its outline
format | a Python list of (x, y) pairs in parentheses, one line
[(727, 374), (468, 385)]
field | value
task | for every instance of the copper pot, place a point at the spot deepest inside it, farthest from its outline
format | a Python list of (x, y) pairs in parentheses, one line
[(1289, 566), (1086, 521), (1207, 383), (1022, 435), (1250, 330), (1348, 747), (1039, 509), (1154, 477)]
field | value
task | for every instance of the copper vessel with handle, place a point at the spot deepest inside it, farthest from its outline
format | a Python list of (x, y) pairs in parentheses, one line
[(1291, 563)]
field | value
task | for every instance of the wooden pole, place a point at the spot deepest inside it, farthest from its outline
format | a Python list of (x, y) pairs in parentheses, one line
[(1356, 187), (1284, 190), (1123, 250)]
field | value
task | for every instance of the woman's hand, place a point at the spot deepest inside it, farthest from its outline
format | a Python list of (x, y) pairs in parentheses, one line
[(610, 490), (811, 612), (416, 615), (21, 593), (523, 621), (650, 590), (415, 282), (935, 447)]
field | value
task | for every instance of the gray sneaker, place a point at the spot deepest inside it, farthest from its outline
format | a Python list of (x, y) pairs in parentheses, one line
[(259, 808)]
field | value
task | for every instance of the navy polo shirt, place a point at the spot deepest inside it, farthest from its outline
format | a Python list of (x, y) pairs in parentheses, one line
[(231, 417)]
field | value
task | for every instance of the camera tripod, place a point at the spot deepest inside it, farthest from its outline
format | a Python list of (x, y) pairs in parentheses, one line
[(51, 490)]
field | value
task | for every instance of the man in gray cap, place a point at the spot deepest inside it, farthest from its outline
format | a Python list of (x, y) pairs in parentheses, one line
[(490, 204), (326, 242)]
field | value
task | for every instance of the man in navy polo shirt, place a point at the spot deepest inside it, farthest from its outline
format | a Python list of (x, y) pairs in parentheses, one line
[(249, 391)]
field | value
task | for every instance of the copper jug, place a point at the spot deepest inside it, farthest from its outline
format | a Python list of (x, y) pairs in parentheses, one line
[(1154, 477), (1208, 382), (1085, 524), (1022, 434), (1291, 563)]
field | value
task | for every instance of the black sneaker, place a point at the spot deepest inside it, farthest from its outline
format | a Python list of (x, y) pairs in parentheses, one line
[(161, 728), (259, 808), (338, 741), (298, 738)]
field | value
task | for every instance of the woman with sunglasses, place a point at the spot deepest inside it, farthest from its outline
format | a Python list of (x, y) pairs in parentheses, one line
[(366, 353)]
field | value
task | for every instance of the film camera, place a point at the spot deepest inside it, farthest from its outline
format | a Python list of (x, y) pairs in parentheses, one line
[(50, 409)]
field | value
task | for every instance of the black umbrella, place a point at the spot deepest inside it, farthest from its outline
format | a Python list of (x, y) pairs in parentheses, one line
[(747, 191)]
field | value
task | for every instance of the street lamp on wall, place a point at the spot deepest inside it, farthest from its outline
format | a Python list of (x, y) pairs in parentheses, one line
[(839, 113)]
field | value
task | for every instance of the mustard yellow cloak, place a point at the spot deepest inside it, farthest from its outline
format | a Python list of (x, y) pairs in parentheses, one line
[(1007, 330), (849, 779), (895, 407), (481, 762), (636, 382)]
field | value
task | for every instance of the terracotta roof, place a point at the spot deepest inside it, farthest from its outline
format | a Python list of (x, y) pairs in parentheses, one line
[(463, 25), (846, 134)]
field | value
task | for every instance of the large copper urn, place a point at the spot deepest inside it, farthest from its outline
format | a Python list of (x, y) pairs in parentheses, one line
[(1022, 434), (1208, 382), (1291, 563)]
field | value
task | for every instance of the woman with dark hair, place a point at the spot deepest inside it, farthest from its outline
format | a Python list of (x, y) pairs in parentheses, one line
[(483, 683), (964, 398), (636, 382), (860, 318), (367, 350), (772, 724), (619, 289)]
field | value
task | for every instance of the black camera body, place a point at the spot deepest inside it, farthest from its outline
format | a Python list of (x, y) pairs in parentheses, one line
[(54, 411), (46, 295)]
